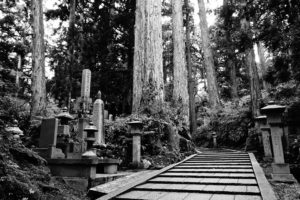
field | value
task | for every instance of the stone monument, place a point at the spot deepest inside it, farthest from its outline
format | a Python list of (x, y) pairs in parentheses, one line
[(281, 170), (98, 119)]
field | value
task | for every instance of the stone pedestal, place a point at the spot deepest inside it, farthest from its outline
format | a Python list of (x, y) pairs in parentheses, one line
[(281, 171)]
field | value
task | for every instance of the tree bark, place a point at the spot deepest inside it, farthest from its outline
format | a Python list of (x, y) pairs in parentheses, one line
[(148, 63), (180, 82), (191, 81), (38, 85), (212, 86)]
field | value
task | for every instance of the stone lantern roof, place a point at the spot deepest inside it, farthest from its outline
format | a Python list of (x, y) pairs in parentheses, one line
[(273, 109), (64, 115)]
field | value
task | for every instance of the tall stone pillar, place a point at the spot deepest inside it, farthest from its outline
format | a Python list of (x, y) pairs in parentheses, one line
[(281, 170), (98, 119)]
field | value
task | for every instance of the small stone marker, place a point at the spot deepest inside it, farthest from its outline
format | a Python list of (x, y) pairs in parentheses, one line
[(281, 170), (110, 117), (265, 131), (48, 135), (98, 119), (214, 135), (136, 131)]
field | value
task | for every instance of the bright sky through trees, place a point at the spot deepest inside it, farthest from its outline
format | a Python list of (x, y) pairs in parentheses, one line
[(50, 25)]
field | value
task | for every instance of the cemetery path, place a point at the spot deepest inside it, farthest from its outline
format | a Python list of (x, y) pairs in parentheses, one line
[(211, 175)]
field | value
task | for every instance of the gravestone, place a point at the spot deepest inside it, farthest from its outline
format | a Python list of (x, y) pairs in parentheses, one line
[(281, 170), (86, 83), (48, 135), (83, 102), (98, 119)]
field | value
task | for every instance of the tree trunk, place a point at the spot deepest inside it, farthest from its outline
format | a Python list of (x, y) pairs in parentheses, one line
[(71, 43), (252, 70), (191, 82), (38, 85), (262, 59), (148, 65), (212, 86), (180, 82), (230, 62), (254, 83)]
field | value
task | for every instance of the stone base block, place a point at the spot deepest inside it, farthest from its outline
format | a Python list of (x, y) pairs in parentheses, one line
[(281, 168), (107, 166), (281, 173), (285, 178), (73, 167)]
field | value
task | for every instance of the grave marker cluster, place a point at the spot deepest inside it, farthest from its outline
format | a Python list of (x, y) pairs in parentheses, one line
[(66, 157)]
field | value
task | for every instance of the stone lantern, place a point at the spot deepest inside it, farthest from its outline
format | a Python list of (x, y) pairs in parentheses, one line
[(64, 117), (281, 170), (135, 128), (265, 132), (90, 139), (91, 131), (15, 130)]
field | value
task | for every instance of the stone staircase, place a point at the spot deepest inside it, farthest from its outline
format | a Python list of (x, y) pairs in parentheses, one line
[(211, 175)]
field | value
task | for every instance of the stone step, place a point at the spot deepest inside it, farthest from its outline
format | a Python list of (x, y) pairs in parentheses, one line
[(213, 170), (214, 167), (207, 175), (208, 188)]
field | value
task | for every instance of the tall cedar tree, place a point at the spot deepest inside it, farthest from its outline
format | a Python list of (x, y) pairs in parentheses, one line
[(180, 81), (212, 86), (38, 87), (71, 44), (231, 65), (191, 81), (148, 63), (251, 65)]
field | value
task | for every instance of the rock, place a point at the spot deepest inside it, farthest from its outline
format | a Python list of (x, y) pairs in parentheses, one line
[(146, 163), (27, 155)]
